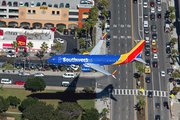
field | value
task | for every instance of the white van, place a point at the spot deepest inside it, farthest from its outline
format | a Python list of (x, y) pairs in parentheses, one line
[(145, 23), (68, 75), (6, 81), (65, 83)]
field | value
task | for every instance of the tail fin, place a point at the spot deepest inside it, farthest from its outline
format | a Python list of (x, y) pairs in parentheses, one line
[(114, 74), (104, 36)]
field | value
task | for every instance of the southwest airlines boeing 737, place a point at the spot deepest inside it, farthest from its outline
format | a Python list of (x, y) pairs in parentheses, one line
[(94, 60)]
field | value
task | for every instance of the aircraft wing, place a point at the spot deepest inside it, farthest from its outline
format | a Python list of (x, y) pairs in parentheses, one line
[(96, 50), (97, 68)]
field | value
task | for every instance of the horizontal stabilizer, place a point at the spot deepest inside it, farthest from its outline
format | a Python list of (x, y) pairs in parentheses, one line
[(140, 60)]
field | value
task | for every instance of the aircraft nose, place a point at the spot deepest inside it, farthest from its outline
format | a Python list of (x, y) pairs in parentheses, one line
[(48, 60)]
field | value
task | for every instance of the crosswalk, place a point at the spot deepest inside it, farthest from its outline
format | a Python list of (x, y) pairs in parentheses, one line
[(138, 91)]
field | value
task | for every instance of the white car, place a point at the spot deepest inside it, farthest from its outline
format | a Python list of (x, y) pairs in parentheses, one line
[(38, 75), (32, 3), (163, 73), (155, 56), (147, 39), (145, 23), (11, 55), (60, 40), (74, 67), (145, 4), (152, 10), (159, 8), (21, 4)]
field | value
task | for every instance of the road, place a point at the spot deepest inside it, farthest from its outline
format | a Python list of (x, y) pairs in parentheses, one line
[(121, 42), (157, 82)]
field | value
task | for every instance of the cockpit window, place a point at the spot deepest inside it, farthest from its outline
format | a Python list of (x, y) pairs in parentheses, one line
[(53, 58)]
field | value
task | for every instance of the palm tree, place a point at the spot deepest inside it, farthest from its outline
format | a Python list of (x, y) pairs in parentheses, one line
[(174, 40), (172, 17), (175, 75), (15, 45), (44, 47), (58, 46), (104, 3), (86, 27), (105, 112), (171, 9), (30, 46), (92, 23), (82, 42), (174, 52), (104, 13), (141, 104), (140, 70)]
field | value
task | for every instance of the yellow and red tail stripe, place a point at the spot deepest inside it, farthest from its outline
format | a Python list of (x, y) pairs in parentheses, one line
[(104, 36)]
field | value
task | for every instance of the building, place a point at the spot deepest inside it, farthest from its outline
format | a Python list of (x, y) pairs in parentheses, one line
[(23, 36), (26, 13)]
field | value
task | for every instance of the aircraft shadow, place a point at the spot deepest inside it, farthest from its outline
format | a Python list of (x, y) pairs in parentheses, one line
[(70, 95)]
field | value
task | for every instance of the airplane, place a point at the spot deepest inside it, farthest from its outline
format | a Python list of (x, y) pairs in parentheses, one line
[(94, 60), (70, 94)]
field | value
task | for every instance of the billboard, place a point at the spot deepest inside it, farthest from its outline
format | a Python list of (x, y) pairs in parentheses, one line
[(21, 40)]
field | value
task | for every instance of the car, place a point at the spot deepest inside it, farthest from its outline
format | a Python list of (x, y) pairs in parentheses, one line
[(153, 28), (109, 14), (168, 50), (53, 30), (32, 66), (168, 44), (38, 4), (19, 82), (68, 75), (155, 56), (145, 23), (24, 74), (159, 15), (147, 46), (146, 30), (159, 8), (165, 104), (136, 75), (147, 69), (60, 40), (169, 71), (152, 4), (157, 105), (15, 4), (147, 53), (150, 94), (52, 54), (38, 75), (108, 44), (145, 14), (21, 4), (46, 66), (158, 1), (155, 64), (67, 5), (44, 4), (171, 79), (147, 39), (108, 37), (108, 29), (135, 1), (3, 3), (147, 62), (154, 36), (108, 22), (39, 66), (72, 32), (55, 5), (145, 4), (11, 55), (153, 42), (54, 67), (66, 32), (166, 17), (154, 49), (157, 117), (152, 10), (147, 79), (74, 67), (26, 4), (163, 73), (26, 65), (152, 16), (9, 3), (67, 67)]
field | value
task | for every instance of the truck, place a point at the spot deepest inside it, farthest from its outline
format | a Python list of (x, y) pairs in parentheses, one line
[(24, 74), (167, 28)]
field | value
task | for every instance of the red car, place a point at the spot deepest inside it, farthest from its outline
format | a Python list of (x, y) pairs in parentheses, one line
[(53, 30), (19, 82), (152, 4)]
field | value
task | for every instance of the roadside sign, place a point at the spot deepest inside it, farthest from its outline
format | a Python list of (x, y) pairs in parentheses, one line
[(142, 90), (172, 95), (43, 7)]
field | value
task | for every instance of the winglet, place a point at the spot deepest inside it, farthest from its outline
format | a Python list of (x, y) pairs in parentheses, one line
[(114, 74), (104, 36)]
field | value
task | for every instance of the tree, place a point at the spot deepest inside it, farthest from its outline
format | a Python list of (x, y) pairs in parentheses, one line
[(15, 45), (58, 46), (103, 23), (27, 102), (105, 112), (174, 40), (39, 111), (82, 42), (171, 9), (104, 3), (104, 13), (140, 70), (13, 100), (30, 45), (90, 114), (35, 84), (60, 28), (92, 23), (71, 110), (175, 90), (87, 89), (140, 97), (44, 46), (175, 75), (174, 52), (105, 118), (172, 17), (93, 88), (4, 104), (141, 104), (86, 27)]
